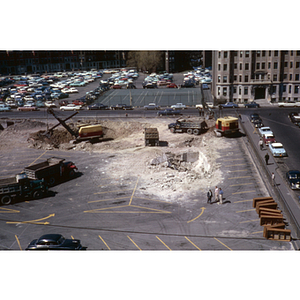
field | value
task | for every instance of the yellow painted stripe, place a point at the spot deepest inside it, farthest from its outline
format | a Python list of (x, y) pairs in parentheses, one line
[(245, 210), (18, 243), (237, 171), (243, 201), (104, 242), (240, 177), (239, 184), (223, 244), (102, 200), (193, 244), (250, 221), (8, 210), (257, 232), (134, 191), (163, 243), (203, 208), (134, 243), (243, 192)]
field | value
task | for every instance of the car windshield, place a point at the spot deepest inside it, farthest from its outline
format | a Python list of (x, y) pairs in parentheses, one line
[(295, 176), (61, 240), (277, 147)]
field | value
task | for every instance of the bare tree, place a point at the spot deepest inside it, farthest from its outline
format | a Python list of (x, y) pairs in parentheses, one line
[(150, 61)]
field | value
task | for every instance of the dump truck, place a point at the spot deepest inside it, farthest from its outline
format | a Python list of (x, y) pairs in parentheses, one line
[(52, 170), (190, 127), (151, 137), (20, 186), (226, 126)]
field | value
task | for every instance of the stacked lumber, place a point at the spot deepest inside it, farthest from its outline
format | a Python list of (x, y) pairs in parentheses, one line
[(272, 219)]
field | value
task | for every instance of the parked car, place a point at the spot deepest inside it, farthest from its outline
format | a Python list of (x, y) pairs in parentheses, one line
[(264, 130), (40, 103), (54, 242), (151, 106), (97, 106), (169, 112), (149, 85), (205, 86), (50, 104), (293, 178), (178, 106), (4, 107), (294, 117), (251, 105), (253, 117), (73, 107), (277, 150), (258, 123), (288, 104), (269, 138), (229, 105), (117, 106), (172, 86), (27, 107)]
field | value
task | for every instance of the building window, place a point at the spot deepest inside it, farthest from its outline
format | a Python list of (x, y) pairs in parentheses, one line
[(284, 88), (290, 88), (219, 67), (225, 54), (225, 67), (284, 76), (275, 77), (263, 53), (247, 53), (292, 52), (258, 53), (235, 78), (263, 65), (225, 91), (241, 66), (276, 53), (258, 66), (235, 66), (269, 65), (270, 53), (297, 77), (297, 52), (296, 89), (241, 53), (219, 79), (291, 64), (291, 76), (246, 78), (275, 65), (240, 78), (219, 54), (219, 91), (224, 79), (245, 90), (234, 89), (285, 64), (297, 64), (240, 90), (246, 66)]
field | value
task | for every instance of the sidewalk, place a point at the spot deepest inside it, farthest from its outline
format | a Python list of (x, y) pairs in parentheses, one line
[(281, 193)]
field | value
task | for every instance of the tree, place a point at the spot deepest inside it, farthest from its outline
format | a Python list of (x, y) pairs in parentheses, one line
[(151, 61)]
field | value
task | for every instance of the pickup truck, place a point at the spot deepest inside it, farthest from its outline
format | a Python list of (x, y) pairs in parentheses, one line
[(20, 187), (52, 170), (178, 106)]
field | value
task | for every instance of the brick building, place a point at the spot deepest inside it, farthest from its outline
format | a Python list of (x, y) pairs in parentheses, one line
[(244, 76)]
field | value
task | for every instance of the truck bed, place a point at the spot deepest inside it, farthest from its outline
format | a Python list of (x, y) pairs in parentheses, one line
[(8, 181), (45, 164)]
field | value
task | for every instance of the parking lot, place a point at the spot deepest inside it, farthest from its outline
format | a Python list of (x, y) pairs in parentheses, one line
[(116, 213)]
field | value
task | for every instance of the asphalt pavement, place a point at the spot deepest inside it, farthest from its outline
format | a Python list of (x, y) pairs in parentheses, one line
[(283, 195)]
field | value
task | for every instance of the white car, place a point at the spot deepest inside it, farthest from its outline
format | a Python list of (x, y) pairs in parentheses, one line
[(73, 107), (265, 130), (277, 150), (50, 104), (288, 104), (209, 104), (178, 106)]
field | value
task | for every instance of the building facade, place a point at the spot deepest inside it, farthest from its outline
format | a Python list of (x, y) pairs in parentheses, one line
[(245, 76), (28, 62)]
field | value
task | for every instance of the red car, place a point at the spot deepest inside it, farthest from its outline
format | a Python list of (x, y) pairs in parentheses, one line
[(78, 102), (268, 138), (172, 85), (116, 86)]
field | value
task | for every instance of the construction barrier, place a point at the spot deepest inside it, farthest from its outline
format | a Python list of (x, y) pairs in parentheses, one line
[(268, 211), (277, 234), (270, 220), (271, 205), (256, 200)]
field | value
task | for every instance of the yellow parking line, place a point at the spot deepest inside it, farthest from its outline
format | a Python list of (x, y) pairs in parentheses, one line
[(104, 242), (240, 177), (18, 243), (243, 192), (163, 243), (243, 201), (193, 244), (250, 221), (242, 184), (223, 244), (134, 190), (257, 232), (237, 171), (134, 243), (102, 200), (240, 211)]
